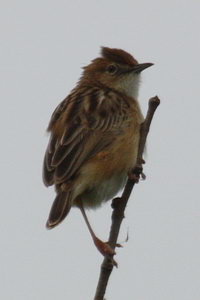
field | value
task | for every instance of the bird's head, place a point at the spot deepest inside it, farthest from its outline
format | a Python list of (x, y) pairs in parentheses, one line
[(116, 69)]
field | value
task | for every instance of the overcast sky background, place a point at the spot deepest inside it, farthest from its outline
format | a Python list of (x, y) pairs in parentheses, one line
[(44, 44)]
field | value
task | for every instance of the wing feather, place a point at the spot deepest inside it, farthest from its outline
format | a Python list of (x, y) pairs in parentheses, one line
[(74, 139), (71, 133)]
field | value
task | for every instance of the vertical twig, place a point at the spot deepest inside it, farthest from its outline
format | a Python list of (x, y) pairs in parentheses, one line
[(119, 204)]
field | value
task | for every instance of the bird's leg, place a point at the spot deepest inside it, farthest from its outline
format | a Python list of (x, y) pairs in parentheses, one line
[(103, 247)]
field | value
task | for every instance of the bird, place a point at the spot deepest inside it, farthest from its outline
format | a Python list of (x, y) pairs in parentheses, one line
[(94, 137)]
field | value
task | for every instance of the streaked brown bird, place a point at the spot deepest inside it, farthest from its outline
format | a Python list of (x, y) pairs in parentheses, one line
[(94, 136)]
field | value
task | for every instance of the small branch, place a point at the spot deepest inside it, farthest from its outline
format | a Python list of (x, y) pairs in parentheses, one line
[(119, 204)]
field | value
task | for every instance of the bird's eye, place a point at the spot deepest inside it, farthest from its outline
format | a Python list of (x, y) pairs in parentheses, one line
[(112, 69)]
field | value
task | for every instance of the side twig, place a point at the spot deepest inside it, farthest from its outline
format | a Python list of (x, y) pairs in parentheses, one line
[(119, 204)]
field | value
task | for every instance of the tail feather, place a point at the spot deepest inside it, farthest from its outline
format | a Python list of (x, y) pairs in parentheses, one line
[(59, 210)]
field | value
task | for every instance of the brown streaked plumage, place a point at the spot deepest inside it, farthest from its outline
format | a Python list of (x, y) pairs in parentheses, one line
[(94, 136)]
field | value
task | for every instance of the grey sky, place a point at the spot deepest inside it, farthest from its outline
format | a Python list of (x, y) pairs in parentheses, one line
[(44, 44)]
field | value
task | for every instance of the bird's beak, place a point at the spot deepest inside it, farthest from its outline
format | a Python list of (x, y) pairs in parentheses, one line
[(140, 67)]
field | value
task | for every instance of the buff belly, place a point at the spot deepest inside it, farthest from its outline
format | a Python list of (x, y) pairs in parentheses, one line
[(95, 195), (104, 175)]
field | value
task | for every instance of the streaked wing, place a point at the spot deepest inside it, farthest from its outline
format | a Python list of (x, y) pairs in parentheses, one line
[(81, 126)]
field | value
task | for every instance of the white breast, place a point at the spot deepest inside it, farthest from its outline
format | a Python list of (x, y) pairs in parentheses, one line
[(130, 85)]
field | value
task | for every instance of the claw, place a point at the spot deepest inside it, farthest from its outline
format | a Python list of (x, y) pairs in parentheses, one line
[(141, 161), (114, 263), (143, 176), (118, 245), (104, 248), (135, 173)]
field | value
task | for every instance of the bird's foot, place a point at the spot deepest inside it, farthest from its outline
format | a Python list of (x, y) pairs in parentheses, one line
[(135, 173), (103, 247), (106, 250)]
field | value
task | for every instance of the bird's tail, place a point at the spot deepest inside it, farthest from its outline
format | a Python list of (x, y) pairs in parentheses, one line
[(59, 210)]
